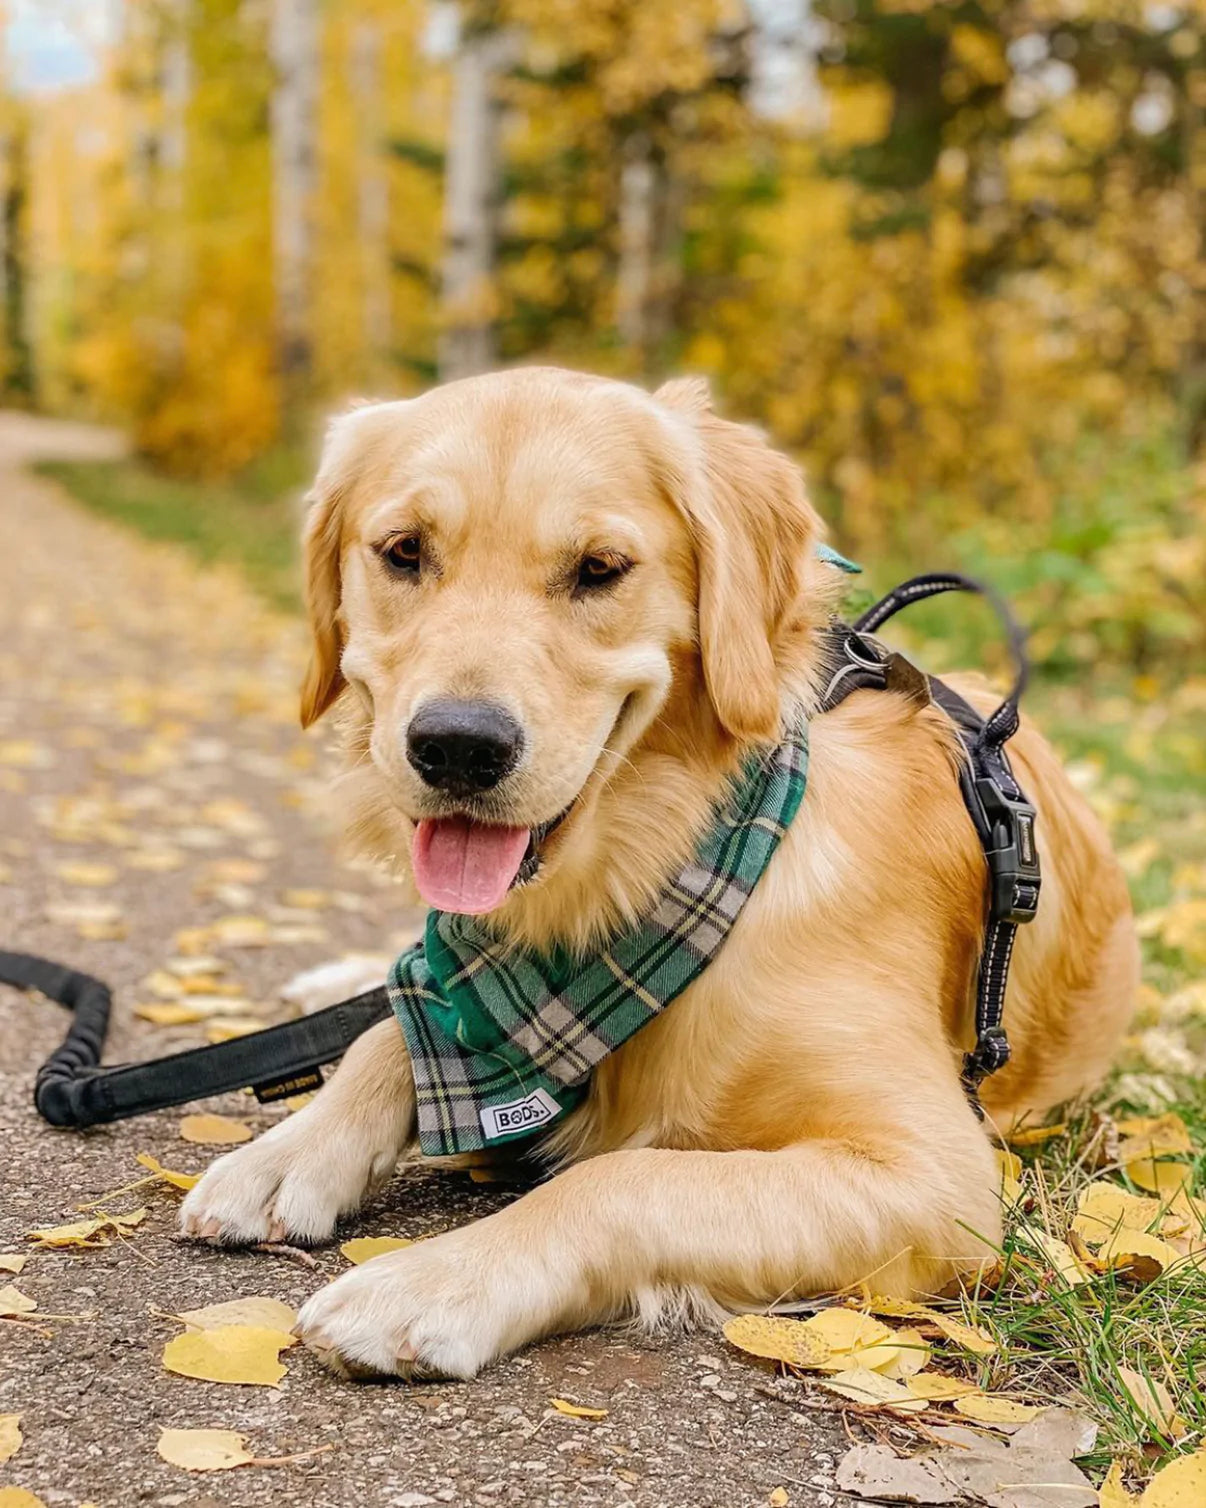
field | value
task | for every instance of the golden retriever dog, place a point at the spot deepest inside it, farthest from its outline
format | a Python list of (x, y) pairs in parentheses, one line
[(625, 588)]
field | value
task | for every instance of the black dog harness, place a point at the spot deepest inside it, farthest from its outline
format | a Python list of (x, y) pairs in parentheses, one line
[(72, 1089)]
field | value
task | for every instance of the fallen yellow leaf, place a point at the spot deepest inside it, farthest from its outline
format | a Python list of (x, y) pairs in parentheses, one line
[(231, 1027), (262, 1313), (894, 1308), (1153, 1401), (1154, 1135), (777, 1338), (1138, 1255), (183, 1181), (1059, 1256), (971, 1337), (88, 1233), (1182, 1484), (204, 1449), (939, 1388), (11, 1261), (11, 1438), (576, 1410), (214, 1130), (989, 1408), (873, 1389), (17, 1497), (1010, 1167), (912, 1353), (169, 1013), (1157, 1177), (778, 1498), (1112, 1493), (82, 872), (365, 1248), (231, 1353), (14, 1302), (852, 1339), (1104, 1208)]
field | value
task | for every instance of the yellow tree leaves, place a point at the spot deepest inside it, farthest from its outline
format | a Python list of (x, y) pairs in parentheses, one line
[(10, 1436), (100, 1231), (248, 1354), (204, 1449), (365, 1248), (214, 1130)]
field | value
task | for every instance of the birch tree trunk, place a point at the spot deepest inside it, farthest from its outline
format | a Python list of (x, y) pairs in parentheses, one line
[(294, 47), (472, 206), (372, 194)]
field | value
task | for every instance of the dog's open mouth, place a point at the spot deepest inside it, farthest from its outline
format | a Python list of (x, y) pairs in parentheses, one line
[(468, 866)]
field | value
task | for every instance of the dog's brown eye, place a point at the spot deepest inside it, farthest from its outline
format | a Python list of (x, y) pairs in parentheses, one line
[(403, 554), (600, 570)]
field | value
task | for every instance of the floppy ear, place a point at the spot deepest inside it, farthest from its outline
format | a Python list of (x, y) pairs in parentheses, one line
[(754, 530), (321, 546)]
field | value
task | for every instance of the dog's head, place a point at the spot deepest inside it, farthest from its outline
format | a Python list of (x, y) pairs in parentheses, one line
[(514, 578)]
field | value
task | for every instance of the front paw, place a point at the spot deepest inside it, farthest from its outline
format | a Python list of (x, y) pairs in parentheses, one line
[(442, 1308), (290, 1185)]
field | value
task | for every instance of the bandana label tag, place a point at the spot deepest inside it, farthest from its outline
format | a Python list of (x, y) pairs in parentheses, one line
[(518, 1116)]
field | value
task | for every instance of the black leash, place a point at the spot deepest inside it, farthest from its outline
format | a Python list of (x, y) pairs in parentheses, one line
[(1003, 817), (72, 1089)]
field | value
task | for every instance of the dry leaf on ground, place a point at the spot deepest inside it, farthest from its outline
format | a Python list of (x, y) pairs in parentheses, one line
[(183, 1181), (231, 1353), (365, 1248), (576, 1410), (939, 1388), (1104, 1208), (990, 1408), (1035, 1136), (1153, 1401), (14, 1302), (971, 1337), (11, 1261), (1113, 1492), (1181, 1484), (11, 1438), (777, 1339), (874, 1390), (17, 1497), (204, 1449), (214, 1130), (89, 1234), (261, 1313)]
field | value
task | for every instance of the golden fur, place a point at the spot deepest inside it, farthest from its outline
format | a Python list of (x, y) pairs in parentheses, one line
[(795, 1122)]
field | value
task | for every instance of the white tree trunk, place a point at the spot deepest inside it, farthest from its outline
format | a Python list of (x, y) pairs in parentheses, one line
[(472, 205), (372, 193), (295, 47)]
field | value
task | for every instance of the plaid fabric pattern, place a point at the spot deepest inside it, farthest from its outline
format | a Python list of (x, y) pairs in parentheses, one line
[(502, 1041)]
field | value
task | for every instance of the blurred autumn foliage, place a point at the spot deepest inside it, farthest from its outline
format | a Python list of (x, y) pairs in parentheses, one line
[(950, 252)]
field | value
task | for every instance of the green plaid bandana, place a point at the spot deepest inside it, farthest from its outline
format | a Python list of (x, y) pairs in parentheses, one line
[(503, 1041)]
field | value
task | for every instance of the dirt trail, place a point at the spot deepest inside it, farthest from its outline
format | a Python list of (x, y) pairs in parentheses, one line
[(152, 779)]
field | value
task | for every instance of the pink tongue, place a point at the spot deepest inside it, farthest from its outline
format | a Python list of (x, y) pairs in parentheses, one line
[(466, 866)]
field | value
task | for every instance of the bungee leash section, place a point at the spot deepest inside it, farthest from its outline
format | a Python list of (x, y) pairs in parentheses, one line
[(73, 1089)]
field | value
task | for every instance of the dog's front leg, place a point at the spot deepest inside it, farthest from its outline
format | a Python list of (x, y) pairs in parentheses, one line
[(295, 1181), (628, 1231)]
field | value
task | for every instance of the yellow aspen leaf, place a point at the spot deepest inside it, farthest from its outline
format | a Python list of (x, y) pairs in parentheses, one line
[(14, 1302), (1138, 1255), (365, 1248), (1112, 1493), (204, 1449), (912, 1353), (894, 1308), (1159, 1177), (262, 1313), (778, 1498), (1104, 1208), (990, 1408), (88, 1234), (306, 900), (231, 1353), (168, 1013), (861, 1385), (183, 1181), (214, 1130), (11, 1261), (971, 1337), (17, 1497), (1153, 1400), (1182, 1484), (778, 1339), (846, 1332), (1156, 1135), (11, 1438), (1060, 1257), (576, 1410), (939, 1388), (1010, 1167), (82, 872)]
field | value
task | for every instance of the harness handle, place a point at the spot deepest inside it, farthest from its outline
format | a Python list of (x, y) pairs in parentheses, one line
[(1003, 723)]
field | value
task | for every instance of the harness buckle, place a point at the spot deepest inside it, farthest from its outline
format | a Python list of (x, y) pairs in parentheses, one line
[(1011, 852)]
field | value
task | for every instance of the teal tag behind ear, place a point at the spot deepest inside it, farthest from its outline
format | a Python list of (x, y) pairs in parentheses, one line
[(831, 557)]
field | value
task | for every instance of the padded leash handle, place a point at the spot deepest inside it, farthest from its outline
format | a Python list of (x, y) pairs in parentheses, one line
[(72, 1089)]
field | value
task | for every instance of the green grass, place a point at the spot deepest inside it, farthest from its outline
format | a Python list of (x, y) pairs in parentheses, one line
[(251, 521)]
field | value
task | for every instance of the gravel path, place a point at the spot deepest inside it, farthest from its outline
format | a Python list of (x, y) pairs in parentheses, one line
[(153, 781)]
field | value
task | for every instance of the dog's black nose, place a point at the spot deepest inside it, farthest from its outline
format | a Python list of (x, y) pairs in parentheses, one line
[(463, 747)]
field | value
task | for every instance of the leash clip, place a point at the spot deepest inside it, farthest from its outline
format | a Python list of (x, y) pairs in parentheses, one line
[(1011, 852)]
